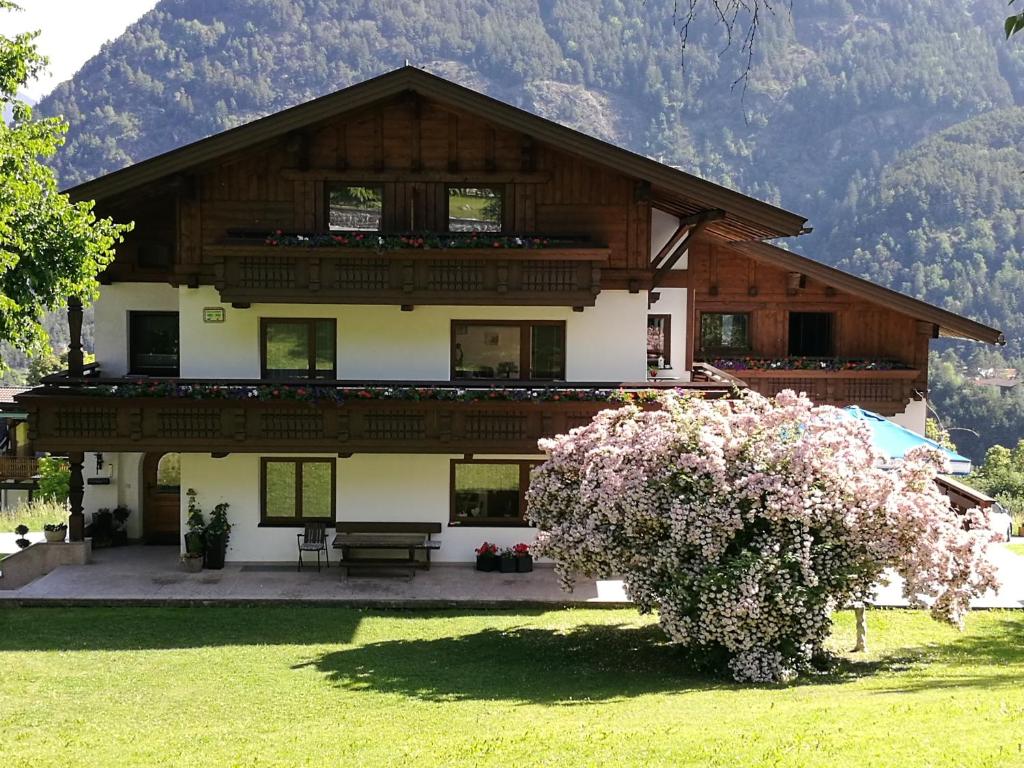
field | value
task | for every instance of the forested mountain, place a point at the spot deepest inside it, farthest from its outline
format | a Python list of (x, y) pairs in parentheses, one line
[(896, 127)]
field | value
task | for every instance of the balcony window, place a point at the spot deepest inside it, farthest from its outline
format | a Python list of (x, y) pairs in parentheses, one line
[(489, 492), (294, 491), (659, 339), (811, 334), (725, 333), (474, 209), (508, 350), (354, 207), (298, 348), (153, 343)]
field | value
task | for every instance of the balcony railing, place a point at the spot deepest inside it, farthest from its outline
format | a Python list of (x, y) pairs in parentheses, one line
[(18, 468), (885, 392), (323, 416), (530, 277)]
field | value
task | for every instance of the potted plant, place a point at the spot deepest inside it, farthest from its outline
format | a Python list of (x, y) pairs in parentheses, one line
[(102, 528), (22, 531), (192, 558), (507, 561), (487, 557), (119, 530), (524, 560), (216, 536), (55, 532)]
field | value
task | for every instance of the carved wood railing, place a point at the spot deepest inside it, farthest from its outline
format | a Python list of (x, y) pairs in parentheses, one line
[(885, 392), (65, 418), (18, 467), (530, 277)]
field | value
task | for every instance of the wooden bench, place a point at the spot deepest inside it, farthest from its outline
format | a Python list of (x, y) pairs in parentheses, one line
[(409, 538)]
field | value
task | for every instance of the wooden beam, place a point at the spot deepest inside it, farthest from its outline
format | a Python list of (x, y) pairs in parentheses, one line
[(453, 177), (696, 223), (669, 246)]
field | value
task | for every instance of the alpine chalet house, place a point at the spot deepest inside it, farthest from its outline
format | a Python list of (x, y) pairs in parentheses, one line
[(369, 307)]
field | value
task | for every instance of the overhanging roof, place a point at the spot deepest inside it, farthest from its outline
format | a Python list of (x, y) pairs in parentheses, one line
[(750, 218), (950, 324)]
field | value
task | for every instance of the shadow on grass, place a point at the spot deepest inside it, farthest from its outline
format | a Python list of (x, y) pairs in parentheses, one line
[(588, 663)]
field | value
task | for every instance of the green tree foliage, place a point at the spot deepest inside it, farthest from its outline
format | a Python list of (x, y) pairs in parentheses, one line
[(1002, 476), (50, 248), (54, 479)]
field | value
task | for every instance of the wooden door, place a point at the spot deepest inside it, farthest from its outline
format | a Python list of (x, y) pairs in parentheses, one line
[(161, 511)]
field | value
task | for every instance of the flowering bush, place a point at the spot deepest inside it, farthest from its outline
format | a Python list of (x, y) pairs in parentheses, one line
[(487, 549), (521, 550), (745, 523)]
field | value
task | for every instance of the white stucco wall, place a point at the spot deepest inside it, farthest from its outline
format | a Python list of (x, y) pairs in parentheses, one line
[(112, 308), (124, 471), (393, 487), (913, 416), (603, 343)]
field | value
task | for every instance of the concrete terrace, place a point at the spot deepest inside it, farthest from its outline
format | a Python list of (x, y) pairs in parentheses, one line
[(152, 575), (149, 575)]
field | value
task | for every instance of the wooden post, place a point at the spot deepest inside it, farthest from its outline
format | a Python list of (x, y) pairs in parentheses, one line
[(76, 360), (76, 520)]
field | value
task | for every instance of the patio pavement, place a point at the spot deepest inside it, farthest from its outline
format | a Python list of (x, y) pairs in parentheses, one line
[(147, 575), (138, 575)]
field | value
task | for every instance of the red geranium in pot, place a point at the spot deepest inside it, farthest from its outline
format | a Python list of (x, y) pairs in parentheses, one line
[(487, 557), (524, 560)]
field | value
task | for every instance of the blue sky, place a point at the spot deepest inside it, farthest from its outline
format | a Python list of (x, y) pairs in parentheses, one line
[(72, 32)]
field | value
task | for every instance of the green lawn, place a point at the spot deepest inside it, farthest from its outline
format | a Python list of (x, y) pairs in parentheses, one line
[(1017, 548), (330, 686)]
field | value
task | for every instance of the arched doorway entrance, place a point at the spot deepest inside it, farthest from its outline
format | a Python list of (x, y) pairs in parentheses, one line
[(161, 501)]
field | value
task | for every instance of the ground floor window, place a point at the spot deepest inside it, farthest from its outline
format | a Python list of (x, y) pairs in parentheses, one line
[(489, 492), (297, 490)]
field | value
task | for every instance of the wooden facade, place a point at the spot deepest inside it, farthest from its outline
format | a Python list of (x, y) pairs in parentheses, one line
[(413, 149), (724, 280)]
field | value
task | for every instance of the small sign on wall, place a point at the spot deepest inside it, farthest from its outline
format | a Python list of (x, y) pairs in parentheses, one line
[(213, 314)]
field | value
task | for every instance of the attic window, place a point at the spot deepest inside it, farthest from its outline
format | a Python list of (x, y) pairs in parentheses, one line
[(474, 209), (356, 208)]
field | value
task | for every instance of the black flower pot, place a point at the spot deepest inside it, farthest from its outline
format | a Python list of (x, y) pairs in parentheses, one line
[(524, 563), (216, 549), (486, 563), (507, 564)]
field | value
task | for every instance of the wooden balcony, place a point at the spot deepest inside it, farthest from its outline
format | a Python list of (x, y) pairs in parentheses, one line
[(18, 468), (885, 392), (569, 277), (336, 417)]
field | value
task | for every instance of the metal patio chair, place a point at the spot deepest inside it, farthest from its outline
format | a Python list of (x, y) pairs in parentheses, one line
[(313, 539)]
